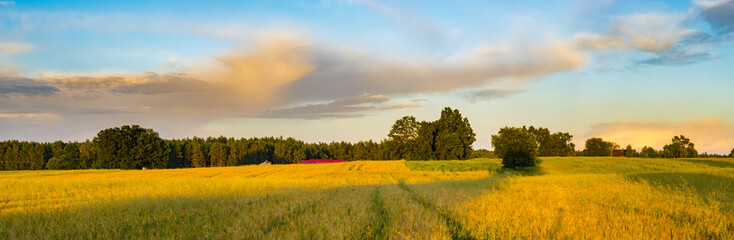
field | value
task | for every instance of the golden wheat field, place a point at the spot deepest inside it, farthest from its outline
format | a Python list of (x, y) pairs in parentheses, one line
[(563, 198)]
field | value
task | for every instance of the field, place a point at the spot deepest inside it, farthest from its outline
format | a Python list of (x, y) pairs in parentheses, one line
[(564, 198)]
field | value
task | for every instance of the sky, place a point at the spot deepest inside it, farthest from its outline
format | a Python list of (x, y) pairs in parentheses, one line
[(631, 72)]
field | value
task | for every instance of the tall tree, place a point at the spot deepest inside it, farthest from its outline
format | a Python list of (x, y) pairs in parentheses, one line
[(454, 135), (87, 154), (680, 147), (130, 147), (598, 147), (402, 138), (218, 154), (648, 152), (425, 145), (69, 158), (404, 129), (57, 148), (35, 153), (198, 156), (629, 152), (556, 144)]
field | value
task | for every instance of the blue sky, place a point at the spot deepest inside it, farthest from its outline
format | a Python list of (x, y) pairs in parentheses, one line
[(633, 72)]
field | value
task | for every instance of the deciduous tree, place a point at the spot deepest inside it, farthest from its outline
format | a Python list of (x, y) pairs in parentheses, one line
[(130, 147), (598, 147), (648, 152), (454, 135), (516, 146), (680, 147), (629, 152)]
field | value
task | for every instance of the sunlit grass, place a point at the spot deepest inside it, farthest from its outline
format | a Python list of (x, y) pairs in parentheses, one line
[(563, 198), (42, 190), (479, 164)]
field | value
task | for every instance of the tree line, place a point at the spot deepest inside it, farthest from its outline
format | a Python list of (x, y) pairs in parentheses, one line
[(449, 137), (679, 147), (135, 147), (179, 153)]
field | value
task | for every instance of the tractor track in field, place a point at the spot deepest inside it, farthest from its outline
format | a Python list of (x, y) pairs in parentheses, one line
[(261, 175), (377, 229), (290, 213), (456, 228)]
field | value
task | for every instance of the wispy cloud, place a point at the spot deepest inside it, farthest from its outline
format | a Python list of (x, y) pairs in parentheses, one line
[(679, 57), (415, 23), (415, 103), (709, 135), (114, 109), (23, 22), (652, 32), (12, 48), (719, 14), (14, 86), (666, 36), (7, 3), (340, 108), (22, 116), (343, 74), (490, 94), (147, 84)]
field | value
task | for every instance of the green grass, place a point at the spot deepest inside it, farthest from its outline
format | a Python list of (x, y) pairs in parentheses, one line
[(479, 164)]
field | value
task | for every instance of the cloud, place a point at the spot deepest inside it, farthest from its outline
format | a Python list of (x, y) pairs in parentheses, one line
[(258, 75), (272, 71), (24, 23), (719, 14), (652, 32), (679, 57), (13, 48), (591, 41), (415, 103), (14, 86), (9, 70), (490, 94), (145, 84), (666, 38), (7, 3), (115, 109), (25, 116), (709, 135), (242, 82), (351, 107), (286, 71), (340, 108), (413, 22), (340, 74)]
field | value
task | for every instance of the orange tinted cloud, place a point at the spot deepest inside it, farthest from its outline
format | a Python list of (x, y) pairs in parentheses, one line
[(280, 71), (257, 77), (241, 82)]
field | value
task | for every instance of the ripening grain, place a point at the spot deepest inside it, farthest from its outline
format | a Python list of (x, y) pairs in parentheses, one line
[(563, 198)]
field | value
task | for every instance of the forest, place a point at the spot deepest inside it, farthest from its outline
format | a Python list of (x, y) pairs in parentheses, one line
[(447, 138)]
